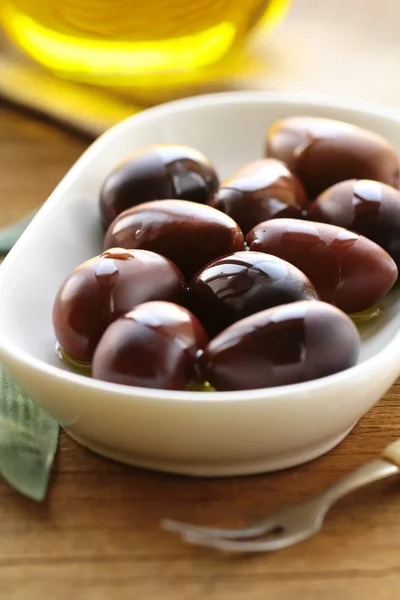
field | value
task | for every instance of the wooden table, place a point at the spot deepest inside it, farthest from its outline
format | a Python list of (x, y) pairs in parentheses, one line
[(97, 536)]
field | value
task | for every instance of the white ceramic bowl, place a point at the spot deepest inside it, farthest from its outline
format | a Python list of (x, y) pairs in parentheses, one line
[(211, 434)]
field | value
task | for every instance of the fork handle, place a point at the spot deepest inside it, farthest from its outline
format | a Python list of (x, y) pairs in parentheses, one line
[(392, 453), (375, 470)]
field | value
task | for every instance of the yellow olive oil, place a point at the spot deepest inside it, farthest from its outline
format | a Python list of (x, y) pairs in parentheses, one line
[(78, 366), (111, 42), (366, 315)]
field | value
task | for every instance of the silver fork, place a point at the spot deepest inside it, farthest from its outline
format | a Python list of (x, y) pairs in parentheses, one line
[(292, 524)]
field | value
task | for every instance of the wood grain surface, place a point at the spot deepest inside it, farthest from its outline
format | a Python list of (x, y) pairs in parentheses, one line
[(97, 536)]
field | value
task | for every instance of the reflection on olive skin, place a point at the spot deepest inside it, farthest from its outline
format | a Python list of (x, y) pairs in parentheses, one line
[(322, 152), (155, 345), (283, 345), (155, 173), (347, 270), (264, 189), (240, 284), (368, 207), (106, 287), (189, 234)]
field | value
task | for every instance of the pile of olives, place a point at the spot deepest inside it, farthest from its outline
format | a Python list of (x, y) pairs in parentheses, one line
[(244, 284)]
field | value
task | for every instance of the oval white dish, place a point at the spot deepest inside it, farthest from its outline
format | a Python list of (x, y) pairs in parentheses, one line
[(210, 434)]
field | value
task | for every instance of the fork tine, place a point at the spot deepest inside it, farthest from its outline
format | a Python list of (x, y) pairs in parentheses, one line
[(269, 545), (252, 531)]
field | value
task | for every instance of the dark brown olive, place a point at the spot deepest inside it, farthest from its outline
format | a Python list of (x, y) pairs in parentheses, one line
[(264, 189), (238, 285), (322, 152), (154, 346), (105, 288), (347, 269), (189, 234), (163, 171), (282, 345), (367, 207)]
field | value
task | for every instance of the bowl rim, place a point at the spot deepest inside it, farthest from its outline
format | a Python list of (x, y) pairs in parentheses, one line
[(308, 101)]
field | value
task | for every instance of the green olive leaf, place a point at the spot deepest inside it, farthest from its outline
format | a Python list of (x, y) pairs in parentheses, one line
[(10, 233), (28, 440)]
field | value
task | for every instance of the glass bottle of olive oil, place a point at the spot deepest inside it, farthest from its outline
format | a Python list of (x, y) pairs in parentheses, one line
[(110, 42)]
